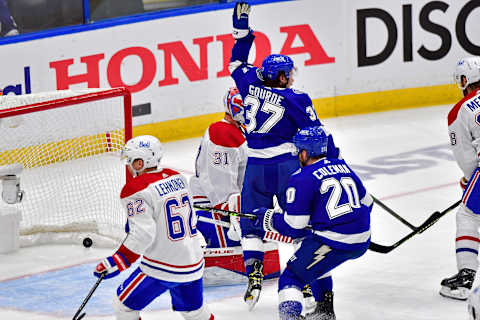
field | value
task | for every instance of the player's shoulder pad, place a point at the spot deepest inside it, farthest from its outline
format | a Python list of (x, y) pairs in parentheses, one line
[(140, 183), (452, 115), (299, 177), (226, 135), (300, 97), (299, 92)]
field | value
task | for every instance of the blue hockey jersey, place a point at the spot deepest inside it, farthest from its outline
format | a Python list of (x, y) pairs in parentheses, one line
[(330, 197), (272, 115)]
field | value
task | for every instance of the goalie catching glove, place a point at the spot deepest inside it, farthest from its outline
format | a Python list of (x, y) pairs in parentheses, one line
[(113, 265), (240, 20)]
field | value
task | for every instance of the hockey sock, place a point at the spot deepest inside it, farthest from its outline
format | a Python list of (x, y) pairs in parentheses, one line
[(249, 257), (320, 286)]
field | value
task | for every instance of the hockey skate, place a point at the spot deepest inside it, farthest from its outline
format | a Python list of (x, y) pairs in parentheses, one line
[(308, 299), (255, 279), (458, 286), (323, 309)]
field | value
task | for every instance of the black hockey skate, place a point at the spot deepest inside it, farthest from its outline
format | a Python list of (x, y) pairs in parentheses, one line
[(308, 299), (324, 309), (458, 286), (255, 279)]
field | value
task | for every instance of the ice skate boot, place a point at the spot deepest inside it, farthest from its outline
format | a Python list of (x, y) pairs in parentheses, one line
[(323, 309), (255, 279), (308, 299), (458, 286)]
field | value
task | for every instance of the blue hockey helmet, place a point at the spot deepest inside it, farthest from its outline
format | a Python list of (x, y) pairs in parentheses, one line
[(314, 140), (274, 63)]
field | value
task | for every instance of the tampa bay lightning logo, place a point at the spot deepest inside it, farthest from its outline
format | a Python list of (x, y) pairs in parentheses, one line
[(477, 118), (144, 144)]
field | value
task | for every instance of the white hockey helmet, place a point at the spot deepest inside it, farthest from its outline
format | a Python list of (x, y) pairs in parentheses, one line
[(470, 69), (474, 304), (148, 148)]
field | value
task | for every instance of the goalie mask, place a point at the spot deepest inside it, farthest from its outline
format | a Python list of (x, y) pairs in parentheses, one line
[(148, 148), (468, 69), (234, 105)]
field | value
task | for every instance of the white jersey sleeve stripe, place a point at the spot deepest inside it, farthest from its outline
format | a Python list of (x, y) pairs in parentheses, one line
[(169, 270)]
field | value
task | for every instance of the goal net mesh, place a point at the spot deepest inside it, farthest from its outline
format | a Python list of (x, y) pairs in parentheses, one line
[(69, 144)]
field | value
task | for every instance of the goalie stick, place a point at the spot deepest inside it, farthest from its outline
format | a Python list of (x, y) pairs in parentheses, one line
[(231, 213), (95, 286), (424, 226)]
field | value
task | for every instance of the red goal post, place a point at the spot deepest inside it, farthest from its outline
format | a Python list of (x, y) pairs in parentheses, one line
[(69, 144)]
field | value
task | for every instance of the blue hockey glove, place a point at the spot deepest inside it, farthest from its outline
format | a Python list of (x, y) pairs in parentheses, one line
[(113, 265), (264, 219), (240, 20)]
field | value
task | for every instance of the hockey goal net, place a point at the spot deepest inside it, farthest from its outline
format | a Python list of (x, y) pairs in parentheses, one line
[(69, 144)]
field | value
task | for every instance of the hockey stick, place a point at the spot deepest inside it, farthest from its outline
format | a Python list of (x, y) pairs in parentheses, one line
[(393, 213), (95, 286), (269, 235), (424, 226), (231, 213), (220, 223)]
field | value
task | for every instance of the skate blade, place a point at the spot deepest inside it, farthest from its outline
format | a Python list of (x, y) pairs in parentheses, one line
[(252, 300), (457, 294)]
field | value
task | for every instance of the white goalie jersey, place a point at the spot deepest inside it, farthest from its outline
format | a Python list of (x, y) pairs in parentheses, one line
[(464, 130), (220, 164), (162, 226)]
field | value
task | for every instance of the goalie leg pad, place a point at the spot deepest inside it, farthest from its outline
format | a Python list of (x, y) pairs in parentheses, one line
[(467, 239), (123, 312)]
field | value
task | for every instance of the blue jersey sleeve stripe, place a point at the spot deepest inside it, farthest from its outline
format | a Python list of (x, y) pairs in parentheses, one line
[(345, 238), (297, 221)]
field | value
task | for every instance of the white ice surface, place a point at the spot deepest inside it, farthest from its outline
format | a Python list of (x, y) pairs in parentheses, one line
[(413, 173)]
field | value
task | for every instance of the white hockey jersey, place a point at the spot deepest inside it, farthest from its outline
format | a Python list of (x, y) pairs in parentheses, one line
[(220, 164), (464, 130), (162, 226)]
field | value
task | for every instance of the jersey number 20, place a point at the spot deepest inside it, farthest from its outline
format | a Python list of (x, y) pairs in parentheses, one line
[(347, 185)]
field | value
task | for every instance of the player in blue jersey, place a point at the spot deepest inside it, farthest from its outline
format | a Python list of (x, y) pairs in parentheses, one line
[(274, 112), (326, 194)]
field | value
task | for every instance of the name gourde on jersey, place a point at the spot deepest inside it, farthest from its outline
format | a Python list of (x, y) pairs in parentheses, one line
[(176, 49)]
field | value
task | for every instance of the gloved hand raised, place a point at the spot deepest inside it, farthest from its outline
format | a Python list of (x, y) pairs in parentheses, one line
[(240, 20)]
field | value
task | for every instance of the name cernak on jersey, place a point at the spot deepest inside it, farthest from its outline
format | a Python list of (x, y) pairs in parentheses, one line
[(266, 95), (166, 187), (330, 170)]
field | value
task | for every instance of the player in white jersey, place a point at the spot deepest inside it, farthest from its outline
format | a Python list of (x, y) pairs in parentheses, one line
[(464, 131), (161, 229), (220, 168)]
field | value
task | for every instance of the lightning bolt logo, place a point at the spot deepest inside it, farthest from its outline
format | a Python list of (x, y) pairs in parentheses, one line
[(319, 255)]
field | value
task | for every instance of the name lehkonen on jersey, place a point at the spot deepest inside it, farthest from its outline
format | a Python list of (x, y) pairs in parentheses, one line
[(166, 187), (330, 170)]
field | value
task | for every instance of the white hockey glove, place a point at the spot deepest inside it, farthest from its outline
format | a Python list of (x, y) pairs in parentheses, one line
[(240, 20), (11, 192)]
